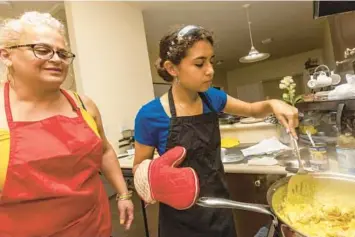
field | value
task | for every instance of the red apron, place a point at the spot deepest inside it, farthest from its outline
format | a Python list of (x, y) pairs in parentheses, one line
[(53, 187)]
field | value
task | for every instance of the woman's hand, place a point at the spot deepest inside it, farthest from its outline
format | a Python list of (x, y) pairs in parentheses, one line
[(125, 211), (286, 114)]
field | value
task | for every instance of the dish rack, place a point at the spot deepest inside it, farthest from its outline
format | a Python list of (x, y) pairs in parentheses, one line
[(127, 141)]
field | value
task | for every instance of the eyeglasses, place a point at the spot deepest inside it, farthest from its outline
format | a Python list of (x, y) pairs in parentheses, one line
[(43, 51)]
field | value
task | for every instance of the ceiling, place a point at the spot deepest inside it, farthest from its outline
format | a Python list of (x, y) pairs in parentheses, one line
[(289, 24)]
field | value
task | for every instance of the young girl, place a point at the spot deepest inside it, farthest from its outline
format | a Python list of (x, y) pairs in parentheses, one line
[(188, 116)]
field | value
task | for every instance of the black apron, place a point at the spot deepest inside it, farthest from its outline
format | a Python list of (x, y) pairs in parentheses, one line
[(200, 136)]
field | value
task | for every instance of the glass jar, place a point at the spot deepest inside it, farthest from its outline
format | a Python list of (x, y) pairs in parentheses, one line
[(318, 157)]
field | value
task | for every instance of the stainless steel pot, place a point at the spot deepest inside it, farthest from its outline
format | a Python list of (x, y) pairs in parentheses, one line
[(326, 182)]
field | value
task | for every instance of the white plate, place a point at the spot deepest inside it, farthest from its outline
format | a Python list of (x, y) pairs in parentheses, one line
[(232, 158)]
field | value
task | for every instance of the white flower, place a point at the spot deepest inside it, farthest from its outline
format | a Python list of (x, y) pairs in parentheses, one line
[(288, 84), (288, 78), (282, 86)]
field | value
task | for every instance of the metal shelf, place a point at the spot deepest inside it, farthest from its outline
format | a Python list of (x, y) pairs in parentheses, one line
[(349, 104)]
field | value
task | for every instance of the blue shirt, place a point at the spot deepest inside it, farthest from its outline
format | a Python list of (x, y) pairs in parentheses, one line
[(152, 123)]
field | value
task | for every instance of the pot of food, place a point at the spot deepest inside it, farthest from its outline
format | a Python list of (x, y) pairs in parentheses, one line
[(331, 213)]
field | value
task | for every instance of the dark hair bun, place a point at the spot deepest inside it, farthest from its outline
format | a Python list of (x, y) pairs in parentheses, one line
[(162, 72)]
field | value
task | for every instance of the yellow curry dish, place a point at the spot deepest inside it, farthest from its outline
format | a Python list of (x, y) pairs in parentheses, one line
[(330, 212), (320, 220)]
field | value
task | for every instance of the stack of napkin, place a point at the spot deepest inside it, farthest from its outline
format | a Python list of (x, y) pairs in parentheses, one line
[(265, 147)]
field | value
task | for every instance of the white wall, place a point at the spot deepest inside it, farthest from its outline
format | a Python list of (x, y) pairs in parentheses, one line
[(70, 82), (328, 51), (270, 69), (112, 64)]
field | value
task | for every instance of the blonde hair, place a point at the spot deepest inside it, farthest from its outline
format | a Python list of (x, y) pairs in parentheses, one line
[(12, 29)]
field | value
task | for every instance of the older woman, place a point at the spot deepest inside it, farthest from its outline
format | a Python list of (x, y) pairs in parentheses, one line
[(52, 142)]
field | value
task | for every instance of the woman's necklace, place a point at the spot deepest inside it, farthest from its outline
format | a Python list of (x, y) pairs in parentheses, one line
[(188, 111), (184, 109)]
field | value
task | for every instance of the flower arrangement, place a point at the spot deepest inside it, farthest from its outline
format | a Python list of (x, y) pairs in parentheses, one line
[(288, 84)]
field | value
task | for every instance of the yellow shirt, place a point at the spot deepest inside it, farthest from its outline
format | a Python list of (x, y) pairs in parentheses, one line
[(5, 143)]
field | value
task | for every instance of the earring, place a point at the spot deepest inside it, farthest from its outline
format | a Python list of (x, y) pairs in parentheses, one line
[(8, 63), (6, 73), (9, 78), (177, 80)]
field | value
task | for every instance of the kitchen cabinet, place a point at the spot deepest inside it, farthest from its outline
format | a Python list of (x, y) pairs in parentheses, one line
[(251, 188)]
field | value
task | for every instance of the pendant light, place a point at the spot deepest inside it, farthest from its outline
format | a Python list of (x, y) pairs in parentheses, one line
[(254, 55)]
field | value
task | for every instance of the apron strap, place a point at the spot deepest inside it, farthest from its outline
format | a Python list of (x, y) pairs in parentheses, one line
[(7, 102), (171, 103), (71, 101), (79, 99), (207, 101)]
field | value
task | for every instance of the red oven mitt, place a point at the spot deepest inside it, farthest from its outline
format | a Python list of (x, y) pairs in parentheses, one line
[(161, 180)]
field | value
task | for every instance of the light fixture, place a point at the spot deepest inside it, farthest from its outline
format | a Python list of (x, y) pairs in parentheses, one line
[(254, 55)]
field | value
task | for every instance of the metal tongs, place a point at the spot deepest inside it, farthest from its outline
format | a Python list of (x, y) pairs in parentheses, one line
[(300, 185)]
